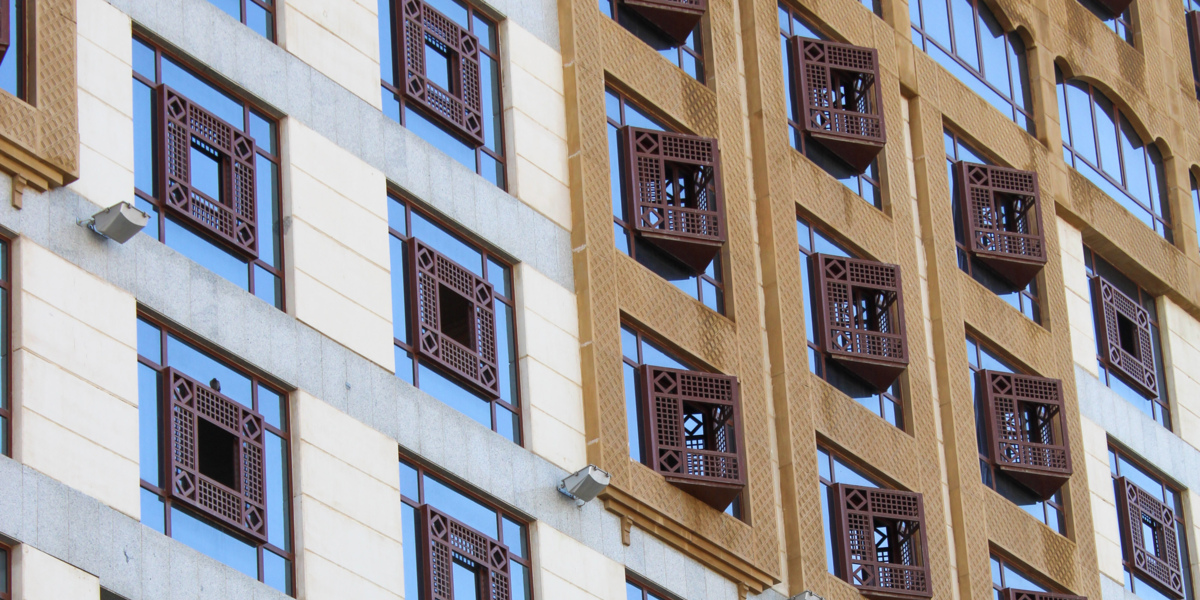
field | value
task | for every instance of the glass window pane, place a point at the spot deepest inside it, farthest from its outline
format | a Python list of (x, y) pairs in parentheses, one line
[(153, 515), (458, 505), (149, 341), (412, 579), (204, 368), (149, 385), (447, 243), (277, 572), (431, 132), (937, 21), (964, 32), (514, 537), (211, 256), (456, 396), (279, 503), (267, 198), (272, 407), (215, 543), (143, 136), (143, 59), (653, 355), (260, 20), (409, 478), (201, 92), (1080, 123), (632, 413), (399, 259), (506, 352)]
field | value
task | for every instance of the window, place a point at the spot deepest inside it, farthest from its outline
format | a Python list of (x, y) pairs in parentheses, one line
[(707, 287), (687, 54), (5, 350), (1101, 143), (1191, 10), (259, 15), (5, 570), (1049, 511), (1007, 576), (887, 403), (874, 536), (1154, 491), (964, 37), (1156, 405), (476, 522), (493, 401), (220, 189), (1120, 21), (218, 478), (866, 183), (1023, 299), (636, 590), (472, 132), (639, 353), (13, 78)]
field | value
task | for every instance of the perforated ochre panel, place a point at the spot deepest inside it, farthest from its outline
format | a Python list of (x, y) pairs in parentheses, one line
[(421, 28), (1123, 332), (183, 125), (448, 541), (1155, 559), (189, 402), (694, 431), (435, 279)]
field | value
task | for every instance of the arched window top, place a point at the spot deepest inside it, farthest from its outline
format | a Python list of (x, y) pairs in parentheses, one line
[(1100, 142), (966, 38)]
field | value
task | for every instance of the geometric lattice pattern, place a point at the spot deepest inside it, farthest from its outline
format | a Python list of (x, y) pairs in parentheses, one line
[(1126, 344), (184, 125), (1015, 594), (1002, 219), (423, 29), (840, 99), (676, 18), (1156, 559), (1027, 430), (863, 310), (674, 193), (694, 432), (447, 542), (880, 542), (463, 343), (189, 402)]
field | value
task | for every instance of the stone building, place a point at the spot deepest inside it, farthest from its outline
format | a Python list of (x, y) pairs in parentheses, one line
[(888, 299)]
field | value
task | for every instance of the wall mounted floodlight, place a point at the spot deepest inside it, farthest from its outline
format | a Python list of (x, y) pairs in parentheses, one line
[(118, 222), (585, 484)]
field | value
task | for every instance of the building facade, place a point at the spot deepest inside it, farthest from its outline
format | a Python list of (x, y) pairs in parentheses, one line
[(702, 245)]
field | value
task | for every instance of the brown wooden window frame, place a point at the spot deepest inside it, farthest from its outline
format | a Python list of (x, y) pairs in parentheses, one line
[(506, 296), (6, 350), (868, 184), (710, 287), (856, 503), (169, 500), (1051, 511), (819, 69), (518, 552), (1015, 247), (1027, 299), (685, 221), (1158, 405), (636, 367), (264, 149), (1003, 590), (887, 404), (1013, 401), (1172, 499)]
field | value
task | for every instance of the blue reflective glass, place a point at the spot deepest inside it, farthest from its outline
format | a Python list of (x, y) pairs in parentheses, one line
[(456, 396), (506, 355), (1080, 121), (232, 8), (259, 19), (404, 364), (466, 581), (1106, 136), (515, 538), (272, 407), (412, 579), (936, 21), (1143, 479), (386, 66), (267, 195), (489, 73), (447, 243), (151, 228), (652, 354), (454, 9), (486, 34), (437, 65), (397, 216), (635, 117), (153, 511), (629, 344), (204, 368), (143, 136), (439, 138), (844, 473), (10, 68), (149, 341), (460, 506), (214, 542), (143, 59), (615, 182), (399, 261), (964, 32), (268, 287), (499, 276), (201, 92), (612, 105), (149, 385), (827, 521), (279, 504), (209, 255), (263, 132), (632, 412), (277, 572), (205, 171)]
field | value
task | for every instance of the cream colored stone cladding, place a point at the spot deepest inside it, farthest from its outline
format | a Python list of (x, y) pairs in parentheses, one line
[(39, 576)]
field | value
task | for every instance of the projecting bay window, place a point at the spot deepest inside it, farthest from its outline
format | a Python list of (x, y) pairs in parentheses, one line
[(1154, 536), (1128, 343), (1000, 452), (457, 544), (887, 402), (671, 27), (668, 211), (439, 61), (453, 319), (214, 456), (866, 182), (206, 169)]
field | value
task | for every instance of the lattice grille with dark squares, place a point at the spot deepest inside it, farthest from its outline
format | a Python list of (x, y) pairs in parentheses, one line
[(694, 432), (1015, 594), (863, 310), (840, 100), (675, 201), (447, 542), (676, 18), (1156, 559), (1126, 343), (455, 319), (1002, 219), (880, 541), (422, 29), (184, 125), (215, 455), (1027, 429)]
